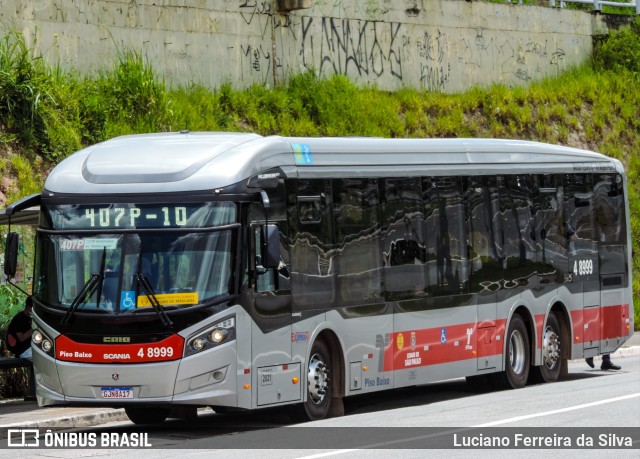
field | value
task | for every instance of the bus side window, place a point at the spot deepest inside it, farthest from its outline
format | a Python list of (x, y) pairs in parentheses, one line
[(580, 215), (312, 254), (358, 259), (445, 241), (403, 250), (610, 223), (552, 228), (485, 233)]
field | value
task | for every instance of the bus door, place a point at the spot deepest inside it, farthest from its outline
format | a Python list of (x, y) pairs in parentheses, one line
[(583, 278), (611, 234), (271, 308), (357, 262), (313, 264)]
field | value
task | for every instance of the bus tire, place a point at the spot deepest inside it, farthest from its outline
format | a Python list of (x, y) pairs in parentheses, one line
[(319, 382), (141, 415), (552, 361), (517, 357)]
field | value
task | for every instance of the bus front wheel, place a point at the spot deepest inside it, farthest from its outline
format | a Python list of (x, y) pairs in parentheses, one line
[(141, 415), (517, 358), (319, 384)]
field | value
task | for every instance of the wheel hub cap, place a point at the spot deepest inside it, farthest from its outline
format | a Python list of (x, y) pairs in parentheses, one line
[(550, 348), (318, 378)]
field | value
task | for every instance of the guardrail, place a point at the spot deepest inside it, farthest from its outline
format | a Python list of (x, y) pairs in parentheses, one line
[(597, 4)]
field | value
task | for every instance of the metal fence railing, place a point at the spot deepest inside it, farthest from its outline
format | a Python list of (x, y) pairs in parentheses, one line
[(597, 4)]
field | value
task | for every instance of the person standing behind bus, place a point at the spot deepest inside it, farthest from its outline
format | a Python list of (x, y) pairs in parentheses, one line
[(19, 332), (19, 342), (607, 364)]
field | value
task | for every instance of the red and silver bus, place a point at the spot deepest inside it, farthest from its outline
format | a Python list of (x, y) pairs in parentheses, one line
[(239, 271)]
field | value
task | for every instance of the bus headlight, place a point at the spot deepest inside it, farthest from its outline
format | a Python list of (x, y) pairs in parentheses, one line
[(210, 337), (37, 337), (46, 345), (198, 344), (218, 335), (42, 341)]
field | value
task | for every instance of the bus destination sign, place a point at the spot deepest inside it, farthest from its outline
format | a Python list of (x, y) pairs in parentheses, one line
[(130, 216)]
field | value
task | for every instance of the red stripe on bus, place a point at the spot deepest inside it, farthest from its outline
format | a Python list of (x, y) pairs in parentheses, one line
[(614, 321), (433, 346), (162, 351), (539, 319), (598, 323)]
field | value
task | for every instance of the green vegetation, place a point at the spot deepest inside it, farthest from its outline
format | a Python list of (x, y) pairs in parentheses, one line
[(46, 114)]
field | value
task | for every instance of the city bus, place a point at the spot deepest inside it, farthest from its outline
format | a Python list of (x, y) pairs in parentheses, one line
[(238, 271)]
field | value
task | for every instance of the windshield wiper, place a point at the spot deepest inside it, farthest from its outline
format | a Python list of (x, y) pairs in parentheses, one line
[(93, 283), (142, 280)]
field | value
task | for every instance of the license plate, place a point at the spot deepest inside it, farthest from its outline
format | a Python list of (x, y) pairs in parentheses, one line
[(116, 392)]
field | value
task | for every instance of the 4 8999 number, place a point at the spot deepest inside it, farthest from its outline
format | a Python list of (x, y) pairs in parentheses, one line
[(583, 267), (156, 352)]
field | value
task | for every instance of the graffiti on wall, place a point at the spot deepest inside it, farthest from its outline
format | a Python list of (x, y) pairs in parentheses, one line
[(387, 43), (435, 70), (372, 10), (249, 9), (389, 54), (354, 47), (511, 59), (256, 56)]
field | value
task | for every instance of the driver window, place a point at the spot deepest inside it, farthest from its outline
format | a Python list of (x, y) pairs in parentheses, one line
[(269, 279), (265, 279)]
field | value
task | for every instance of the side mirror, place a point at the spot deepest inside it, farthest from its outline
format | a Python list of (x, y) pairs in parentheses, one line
[(271, 246), (11, 255)]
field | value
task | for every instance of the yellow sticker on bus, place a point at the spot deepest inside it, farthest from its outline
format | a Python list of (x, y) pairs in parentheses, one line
[(169, 298)]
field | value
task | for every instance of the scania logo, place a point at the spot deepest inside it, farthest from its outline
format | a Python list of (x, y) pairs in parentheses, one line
[(116, 339)]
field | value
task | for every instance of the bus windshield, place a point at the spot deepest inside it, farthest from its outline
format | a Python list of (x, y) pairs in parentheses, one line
[(182, 267)]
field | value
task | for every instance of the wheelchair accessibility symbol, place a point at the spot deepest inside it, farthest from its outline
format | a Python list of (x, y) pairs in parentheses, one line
[(128, 299)]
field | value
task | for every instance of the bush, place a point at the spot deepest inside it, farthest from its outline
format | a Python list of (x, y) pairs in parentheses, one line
[(621, 49), (132, 95), (24, 85), (11, 302)]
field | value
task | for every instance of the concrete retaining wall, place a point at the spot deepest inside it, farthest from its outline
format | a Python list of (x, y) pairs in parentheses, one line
[(441, 45)]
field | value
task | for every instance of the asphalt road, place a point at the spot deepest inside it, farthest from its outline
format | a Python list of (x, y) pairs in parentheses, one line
[(414, 422)]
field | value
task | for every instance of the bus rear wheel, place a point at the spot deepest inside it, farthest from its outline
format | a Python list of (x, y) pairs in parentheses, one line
[(141, 415), (552, 361), (319, 384), (517, 358)]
